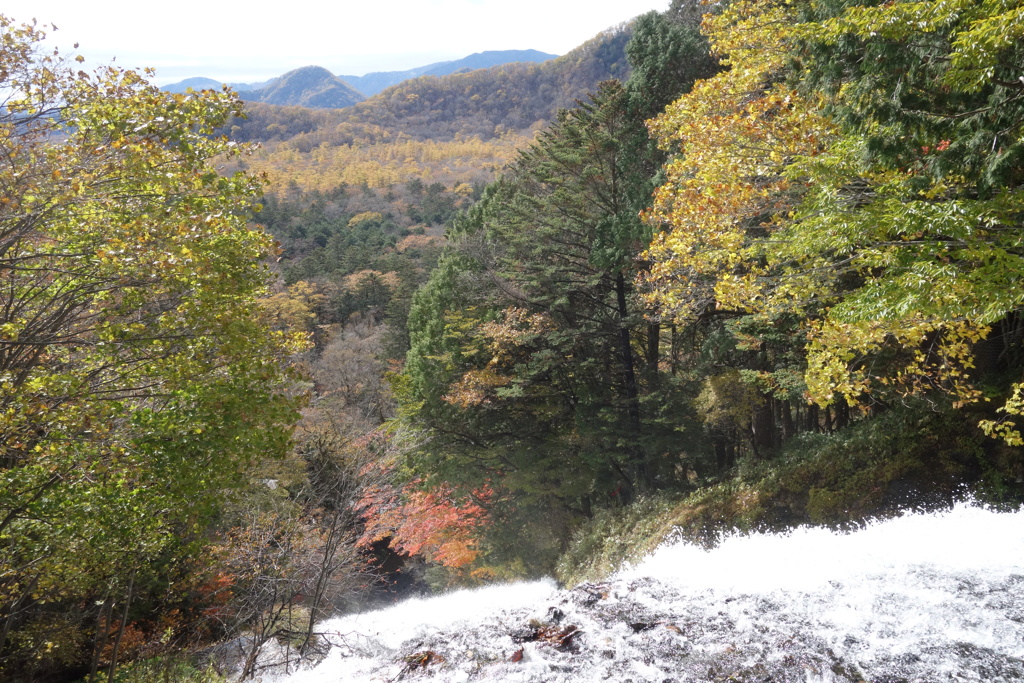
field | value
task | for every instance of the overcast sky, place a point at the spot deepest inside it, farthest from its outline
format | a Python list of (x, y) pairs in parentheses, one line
[(247, 41)]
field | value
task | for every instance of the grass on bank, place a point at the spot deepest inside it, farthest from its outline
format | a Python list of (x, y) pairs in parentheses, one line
[(905, 459)]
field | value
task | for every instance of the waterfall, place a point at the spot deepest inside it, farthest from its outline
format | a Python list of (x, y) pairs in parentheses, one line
[(921, 598)]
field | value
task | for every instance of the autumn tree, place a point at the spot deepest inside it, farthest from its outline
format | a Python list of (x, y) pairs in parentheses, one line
[(137, 375), (289, 558), (857, 167), (917, 204), (534, 366), (546, 301), (732, 137)]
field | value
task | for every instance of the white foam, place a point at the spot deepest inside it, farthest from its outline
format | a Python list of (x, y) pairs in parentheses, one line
[(937, 597)]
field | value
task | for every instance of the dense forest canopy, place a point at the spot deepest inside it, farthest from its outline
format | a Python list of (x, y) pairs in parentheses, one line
[(834, 234), (751, 264), (878, 198)]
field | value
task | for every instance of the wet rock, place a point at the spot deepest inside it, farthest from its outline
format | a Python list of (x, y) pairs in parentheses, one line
[(639, 626), (226, 658), (589, 594), (561, 638), (526, 634)]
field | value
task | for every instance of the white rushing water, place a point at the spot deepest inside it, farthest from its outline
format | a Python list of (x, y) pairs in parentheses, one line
[(923, 598)]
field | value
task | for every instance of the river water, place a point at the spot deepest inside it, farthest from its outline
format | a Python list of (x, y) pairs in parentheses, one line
[(923, 598)]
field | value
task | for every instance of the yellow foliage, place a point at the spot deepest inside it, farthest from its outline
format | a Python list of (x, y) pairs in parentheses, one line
[(475, 388), (1005, 429), (769, 208), (382, 164), (363, 278), (924, 354), (418, 242), (726, 401), (365, 217), (516, 328), (735, 134), (295, 308)]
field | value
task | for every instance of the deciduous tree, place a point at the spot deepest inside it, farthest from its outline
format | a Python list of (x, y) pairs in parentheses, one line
[(137, 375), (859, 166)]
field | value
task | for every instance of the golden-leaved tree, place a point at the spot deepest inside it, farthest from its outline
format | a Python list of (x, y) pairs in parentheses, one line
[(138, 375), (859, 166)]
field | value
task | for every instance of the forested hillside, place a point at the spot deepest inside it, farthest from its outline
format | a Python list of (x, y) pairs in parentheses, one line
[(453, 129), (743, 265), (372, 83), (484, 103), (814, 317), (364, 86)]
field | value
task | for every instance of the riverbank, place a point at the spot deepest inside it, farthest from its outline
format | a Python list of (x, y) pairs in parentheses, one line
[(904, 460)]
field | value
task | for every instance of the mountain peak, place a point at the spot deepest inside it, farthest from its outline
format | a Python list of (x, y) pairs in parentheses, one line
[(307, 86), (316, 87)]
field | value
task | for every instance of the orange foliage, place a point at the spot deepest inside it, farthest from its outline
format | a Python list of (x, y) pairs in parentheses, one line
[(505, 342), (134, 642), (213, 594), (433, 524), (476, 388)]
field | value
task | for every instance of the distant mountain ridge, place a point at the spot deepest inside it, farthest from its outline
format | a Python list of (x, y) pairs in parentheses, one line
[(373, 83), (202, 83), (316, 87), (483, 103)]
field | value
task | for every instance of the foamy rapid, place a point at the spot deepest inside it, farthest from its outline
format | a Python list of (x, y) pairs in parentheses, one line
[(922, 598)]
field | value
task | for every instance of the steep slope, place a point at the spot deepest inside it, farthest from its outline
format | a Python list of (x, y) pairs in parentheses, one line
[(309, 86), (489, 102), (373, 83), (485, 103)]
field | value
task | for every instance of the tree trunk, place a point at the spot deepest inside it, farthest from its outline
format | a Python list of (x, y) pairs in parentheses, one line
[(812, 418), (325, 572), (788, 428), (121, 628), (640, 466), (16, 606), (842, 414), (103, 617), (653, 348), (675, 350), (725, 455), (762, 428)]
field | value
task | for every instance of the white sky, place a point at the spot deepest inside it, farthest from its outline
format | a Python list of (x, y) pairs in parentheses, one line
[(251, 41)]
